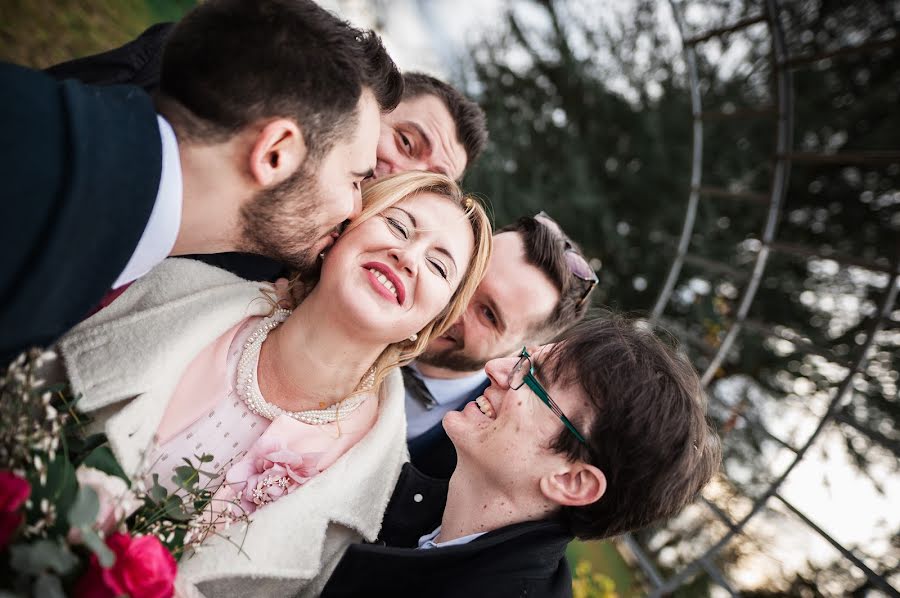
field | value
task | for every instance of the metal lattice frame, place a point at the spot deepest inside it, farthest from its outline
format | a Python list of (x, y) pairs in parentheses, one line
[(784, 155)]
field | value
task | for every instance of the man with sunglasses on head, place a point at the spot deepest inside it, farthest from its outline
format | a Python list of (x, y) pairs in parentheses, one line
[(598, 434), (537, 284)]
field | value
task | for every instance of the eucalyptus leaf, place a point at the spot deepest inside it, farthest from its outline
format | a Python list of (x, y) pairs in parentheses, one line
[(48, 586), (176, 510), (102, 458), (93, 541), (40, 556), (157, 492), (85, 508), (186, 477)]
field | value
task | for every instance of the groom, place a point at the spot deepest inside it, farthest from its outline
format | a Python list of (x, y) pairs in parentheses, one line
[(599, 434), (98, 187)]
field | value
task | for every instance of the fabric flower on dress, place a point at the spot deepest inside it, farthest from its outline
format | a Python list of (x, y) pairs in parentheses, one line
[(268, 472)]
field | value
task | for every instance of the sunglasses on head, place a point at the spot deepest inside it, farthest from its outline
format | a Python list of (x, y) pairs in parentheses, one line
[(577, 264)]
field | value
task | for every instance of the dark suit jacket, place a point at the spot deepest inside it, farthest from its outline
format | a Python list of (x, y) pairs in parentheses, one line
[(525, 559), (80, 168), (138, 63), (432, 452)]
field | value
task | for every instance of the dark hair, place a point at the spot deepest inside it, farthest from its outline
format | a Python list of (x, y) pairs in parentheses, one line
[(546, 250), (646, 429), (229, 63), (471, 127)]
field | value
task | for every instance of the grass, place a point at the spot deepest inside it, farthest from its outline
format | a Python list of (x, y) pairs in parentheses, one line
[(40, 34), (605, 558)]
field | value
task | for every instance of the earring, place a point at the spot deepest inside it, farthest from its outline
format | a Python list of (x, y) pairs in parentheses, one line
[(413, 337), (322, 256)]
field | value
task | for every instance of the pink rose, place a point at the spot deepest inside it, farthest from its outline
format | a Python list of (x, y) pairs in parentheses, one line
[(143, 569), (269, 472), (14, 491), (117, 502)]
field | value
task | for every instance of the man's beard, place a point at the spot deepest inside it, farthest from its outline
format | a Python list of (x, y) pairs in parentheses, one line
[(453, 358), (280, 222)]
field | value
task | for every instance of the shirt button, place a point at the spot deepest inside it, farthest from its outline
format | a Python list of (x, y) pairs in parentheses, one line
[(417, 497)]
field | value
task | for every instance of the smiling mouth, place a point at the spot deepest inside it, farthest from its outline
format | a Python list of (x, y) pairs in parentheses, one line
[(381, 278), (485, 407)]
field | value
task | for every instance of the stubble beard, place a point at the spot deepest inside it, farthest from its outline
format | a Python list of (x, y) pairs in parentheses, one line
[(454, 359), (279, 222)]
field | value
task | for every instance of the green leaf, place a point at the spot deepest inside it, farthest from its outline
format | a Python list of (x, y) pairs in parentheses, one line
[(85, 508), (206, 458), (40, 556), (102, 458), (186, 477), (59, 491), (48, 586), (93, 541), (157, 492), (176, 510)]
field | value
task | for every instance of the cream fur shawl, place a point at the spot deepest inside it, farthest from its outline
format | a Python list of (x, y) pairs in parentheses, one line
[(125, 362)]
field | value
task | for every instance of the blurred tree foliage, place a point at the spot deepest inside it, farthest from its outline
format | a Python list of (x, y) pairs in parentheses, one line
[(590, 118)]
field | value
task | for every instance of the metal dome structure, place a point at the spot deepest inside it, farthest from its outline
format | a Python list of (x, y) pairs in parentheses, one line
[(780, 117)]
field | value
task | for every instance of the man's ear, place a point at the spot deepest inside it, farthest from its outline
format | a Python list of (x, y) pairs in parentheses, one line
[(575, 485), (278, 150)]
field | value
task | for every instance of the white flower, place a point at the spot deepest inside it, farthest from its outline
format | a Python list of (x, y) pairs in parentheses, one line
[(117, 502)]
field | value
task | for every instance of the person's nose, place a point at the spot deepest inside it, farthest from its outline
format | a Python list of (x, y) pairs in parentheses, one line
[(357, 205), (498, 370), (405, 259)]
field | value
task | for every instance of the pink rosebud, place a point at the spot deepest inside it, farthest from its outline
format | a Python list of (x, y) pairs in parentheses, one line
[(117, 502), (14, 491), (143, 569)]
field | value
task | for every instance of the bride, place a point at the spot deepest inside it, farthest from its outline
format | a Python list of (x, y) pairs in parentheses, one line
[(192, 360)]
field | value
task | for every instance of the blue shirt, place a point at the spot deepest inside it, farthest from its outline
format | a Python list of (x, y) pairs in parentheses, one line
[(449, 395)]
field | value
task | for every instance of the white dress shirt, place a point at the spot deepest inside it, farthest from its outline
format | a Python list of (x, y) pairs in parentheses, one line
[(161, 231)]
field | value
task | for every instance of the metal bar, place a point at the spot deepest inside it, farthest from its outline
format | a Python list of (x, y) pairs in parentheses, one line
[(690, 213), (715, 266), (719, 31), (844, 259), (683, 333), (743, 113), (717, 576), (754, 424), (780, 177), (718, 512), (644, 561), (729, 194), (801, 343), (877, 580), (887, 305), (872, 158), (848, 51)]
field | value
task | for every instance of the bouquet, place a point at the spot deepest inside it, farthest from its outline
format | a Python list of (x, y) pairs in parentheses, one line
[(71, 522)]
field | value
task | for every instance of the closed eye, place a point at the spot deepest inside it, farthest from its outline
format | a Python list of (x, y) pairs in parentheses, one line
[(442, 270), (397, 227)]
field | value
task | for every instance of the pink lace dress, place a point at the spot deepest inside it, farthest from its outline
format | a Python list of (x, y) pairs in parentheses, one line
[(258, 460)]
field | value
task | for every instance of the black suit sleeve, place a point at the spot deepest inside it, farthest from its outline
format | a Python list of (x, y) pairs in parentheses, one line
[(139, 63), (136, 63), (80, 167)]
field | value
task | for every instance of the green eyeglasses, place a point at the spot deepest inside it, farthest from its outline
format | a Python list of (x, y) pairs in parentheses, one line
[(523, 373)]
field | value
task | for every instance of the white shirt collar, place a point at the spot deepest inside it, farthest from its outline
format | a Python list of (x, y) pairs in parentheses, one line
[(161, 231)]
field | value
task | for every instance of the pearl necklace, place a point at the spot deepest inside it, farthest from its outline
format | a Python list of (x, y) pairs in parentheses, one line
[(254, 400)]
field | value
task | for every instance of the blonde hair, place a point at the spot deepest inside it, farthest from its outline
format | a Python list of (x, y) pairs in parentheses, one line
[(386, 192)]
